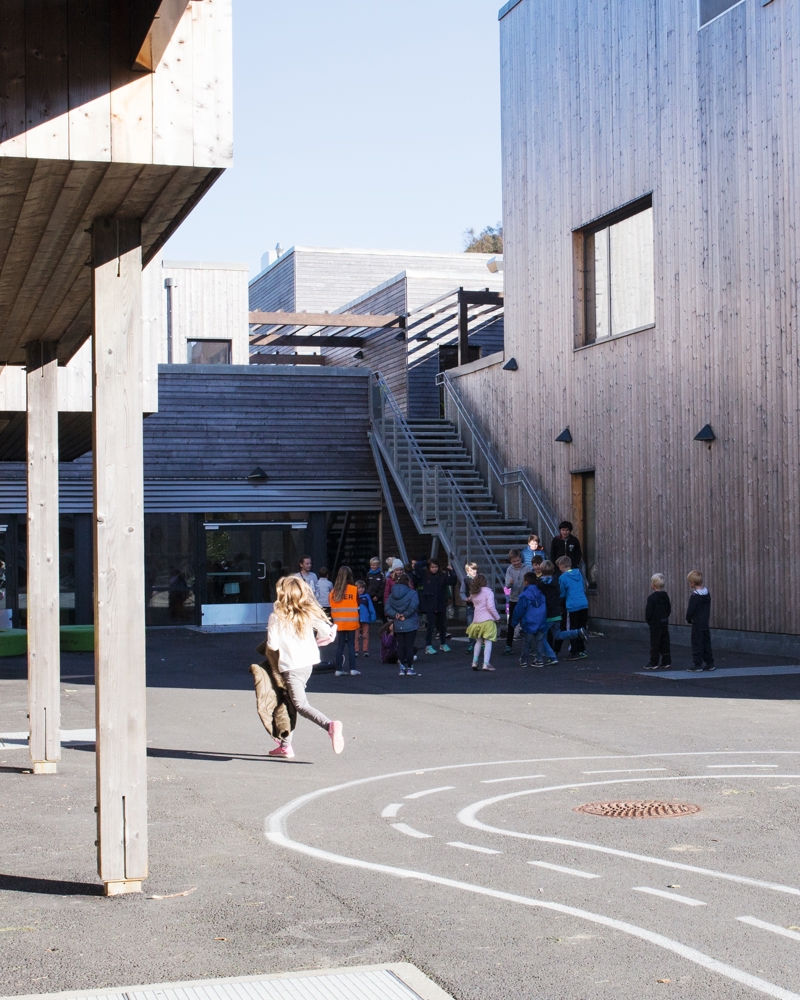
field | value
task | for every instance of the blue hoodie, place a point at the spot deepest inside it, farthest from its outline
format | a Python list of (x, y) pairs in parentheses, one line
[(403, 601), (572, 588), (531, 610)]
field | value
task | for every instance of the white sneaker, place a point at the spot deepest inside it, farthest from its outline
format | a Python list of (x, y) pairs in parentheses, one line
[(355, 673), (340, 673)]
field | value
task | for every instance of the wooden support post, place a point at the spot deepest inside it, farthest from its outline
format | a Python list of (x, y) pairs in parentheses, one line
[(463, 328), (44, 658), (119, 556)]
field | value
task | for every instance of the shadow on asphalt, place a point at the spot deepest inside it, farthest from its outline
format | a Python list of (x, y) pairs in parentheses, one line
[(15, 770), (198, 755), (48, 887), (181, 658)]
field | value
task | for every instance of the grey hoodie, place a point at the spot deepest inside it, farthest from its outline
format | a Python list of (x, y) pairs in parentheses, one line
[(515, 579)]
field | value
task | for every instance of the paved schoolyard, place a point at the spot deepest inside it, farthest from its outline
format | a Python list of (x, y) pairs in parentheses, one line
[(446, 835)]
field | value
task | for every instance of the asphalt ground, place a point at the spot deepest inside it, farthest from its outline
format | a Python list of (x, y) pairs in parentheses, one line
[(500, 890)]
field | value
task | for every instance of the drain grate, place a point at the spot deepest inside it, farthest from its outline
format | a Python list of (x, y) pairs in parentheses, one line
[(639, 810)]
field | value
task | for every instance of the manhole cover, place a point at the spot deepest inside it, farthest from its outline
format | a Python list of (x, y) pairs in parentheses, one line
[(639, 810)]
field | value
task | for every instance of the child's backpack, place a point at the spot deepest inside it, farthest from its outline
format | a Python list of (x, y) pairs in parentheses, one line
[(388, 647)]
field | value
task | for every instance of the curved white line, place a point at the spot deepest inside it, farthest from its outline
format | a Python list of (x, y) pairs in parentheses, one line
[(275, 832), (391, 810), (429, 791), (467, 816)]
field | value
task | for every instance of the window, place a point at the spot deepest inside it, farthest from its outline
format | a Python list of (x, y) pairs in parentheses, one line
[(209, 352), (709, 9), (619, 275)]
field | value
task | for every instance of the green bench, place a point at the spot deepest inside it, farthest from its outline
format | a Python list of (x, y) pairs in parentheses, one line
[(74, 639)]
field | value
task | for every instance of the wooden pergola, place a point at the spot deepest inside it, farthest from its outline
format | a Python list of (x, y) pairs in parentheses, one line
[(279, 329), (114, 121)]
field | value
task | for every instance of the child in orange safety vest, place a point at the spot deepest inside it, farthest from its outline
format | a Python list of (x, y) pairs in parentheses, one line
[(344, 611)]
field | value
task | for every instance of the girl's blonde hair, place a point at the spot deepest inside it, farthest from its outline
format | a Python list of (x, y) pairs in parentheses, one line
[(344, 579), (295, 605)]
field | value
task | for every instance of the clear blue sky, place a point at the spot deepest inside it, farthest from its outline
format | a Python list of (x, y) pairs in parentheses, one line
[(356, 124)]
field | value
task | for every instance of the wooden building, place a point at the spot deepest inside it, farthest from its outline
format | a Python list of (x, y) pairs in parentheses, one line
[(115, 119), (652, 258)]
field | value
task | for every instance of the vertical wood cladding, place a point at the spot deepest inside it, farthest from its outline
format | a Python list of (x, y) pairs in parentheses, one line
[(603, 103)]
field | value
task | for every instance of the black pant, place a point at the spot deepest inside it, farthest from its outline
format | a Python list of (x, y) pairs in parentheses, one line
[(436, 622), (701, 647), (512, 606), (577, 619), (405, 648), (659, 645)]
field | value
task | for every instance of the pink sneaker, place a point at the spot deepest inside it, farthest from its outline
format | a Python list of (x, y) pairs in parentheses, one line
[(282, 751), (335, 733)]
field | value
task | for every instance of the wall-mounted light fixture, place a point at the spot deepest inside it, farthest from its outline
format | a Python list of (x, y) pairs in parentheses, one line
[(706, 434), (257, 475), (400, 336), (359, 355), (510, 365), (565, 437)]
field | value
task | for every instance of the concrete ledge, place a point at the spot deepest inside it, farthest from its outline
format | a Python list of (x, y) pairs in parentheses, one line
[(766, 643), (225, 989), (475, 366)]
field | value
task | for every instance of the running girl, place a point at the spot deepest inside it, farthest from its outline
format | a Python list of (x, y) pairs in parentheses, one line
[(296, 629)]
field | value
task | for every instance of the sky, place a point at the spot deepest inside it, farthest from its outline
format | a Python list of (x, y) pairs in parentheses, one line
[(356, 124)]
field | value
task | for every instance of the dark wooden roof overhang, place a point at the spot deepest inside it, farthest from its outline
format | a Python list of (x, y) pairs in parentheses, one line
[(47, 208)]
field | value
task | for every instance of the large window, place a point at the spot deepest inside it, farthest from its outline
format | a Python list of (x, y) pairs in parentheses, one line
[(619, 276), (709, 9), (209, 352)]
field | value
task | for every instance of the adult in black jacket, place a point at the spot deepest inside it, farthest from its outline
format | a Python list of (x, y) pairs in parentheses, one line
[(565, 544), (656, 614), (433, 604)]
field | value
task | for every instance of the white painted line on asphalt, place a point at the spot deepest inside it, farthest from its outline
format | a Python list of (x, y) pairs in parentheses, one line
[(430, 791), (521, 777), (669, 895), (630, 770), (392, 810), (467, 816), (409, 831), (275, 832), (775, 928), (472, 847), (561, 868), (742, 765), (690, 675)]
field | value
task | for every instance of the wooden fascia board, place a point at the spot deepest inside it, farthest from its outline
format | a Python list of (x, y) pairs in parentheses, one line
[(258, 318)]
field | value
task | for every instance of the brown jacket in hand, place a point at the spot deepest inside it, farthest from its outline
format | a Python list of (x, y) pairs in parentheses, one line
[(274, 706)]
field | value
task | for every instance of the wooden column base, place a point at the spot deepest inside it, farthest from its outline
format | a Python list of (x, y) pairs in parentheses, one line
[(121, 886), (45, 767)]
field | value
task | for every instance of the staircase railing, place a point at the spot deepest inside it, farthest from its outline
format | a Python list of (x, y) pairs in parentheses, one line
[(431, 494), (511, 489)]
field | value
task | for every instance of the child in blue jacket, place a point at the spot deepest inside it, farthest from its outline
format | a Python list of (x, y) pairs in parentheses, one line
[(576, 607), (366, 616), (530, 614)]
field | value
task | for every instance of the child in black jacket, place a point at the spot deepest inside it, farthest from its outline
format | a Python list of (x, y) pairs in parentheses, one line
[(697, 615), (657, 615)]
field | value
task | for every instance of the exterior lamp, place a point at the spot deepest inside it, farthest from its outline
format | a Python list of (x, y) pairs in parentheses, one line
[(257, 475), (359, 355), (706, 434), (510, 365), (565, 437)]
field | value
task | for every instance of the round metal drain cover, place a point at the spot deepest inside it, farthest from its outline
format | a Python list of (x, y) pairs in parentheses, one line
[(639, 810)]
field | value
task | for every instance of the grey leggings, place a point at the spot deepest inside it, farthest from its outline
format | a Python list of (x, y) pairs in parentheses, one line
[(296, 685)]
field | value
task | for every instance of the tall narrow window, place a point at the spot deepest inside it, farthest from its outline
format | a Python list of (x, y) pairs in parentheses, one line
[(619, 269)]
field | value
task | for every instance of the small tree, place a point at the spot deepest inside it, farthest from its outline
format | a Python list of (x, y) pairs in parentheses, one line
[(489, 240)]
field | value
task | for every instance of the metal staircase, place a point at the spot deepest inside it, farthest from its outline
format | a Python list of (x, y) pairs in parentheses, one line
[(445, 491)]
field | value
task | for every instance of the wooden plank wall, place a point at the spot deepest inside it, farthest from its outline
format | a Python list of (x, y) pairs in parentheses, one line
[(199, 433), (67, 91), (209, 302), (603, 103)]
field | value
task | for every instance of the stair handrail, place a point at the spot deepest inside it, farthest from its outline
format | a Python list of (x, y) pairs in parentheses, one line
[(438, 502), (505, 477)]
